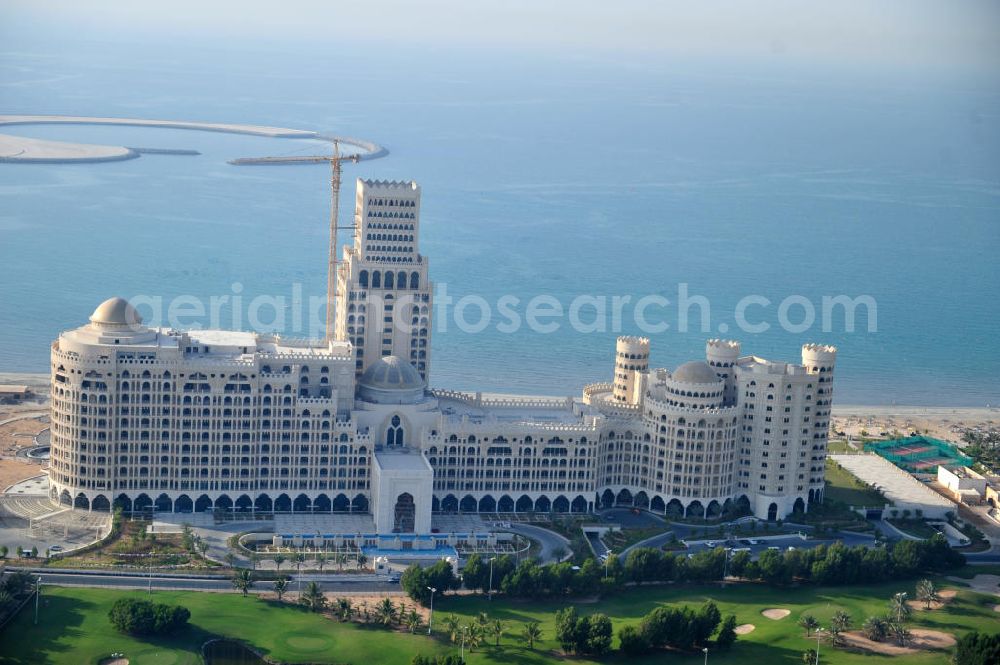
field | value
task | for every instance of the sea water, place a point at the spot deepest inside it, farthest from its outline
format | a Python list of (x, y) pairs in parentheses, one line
[(541, 175)]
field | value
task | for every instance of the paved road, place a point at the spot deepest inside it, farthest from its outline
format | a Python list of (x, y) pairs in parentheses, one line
[(550, 541), (341, 583)]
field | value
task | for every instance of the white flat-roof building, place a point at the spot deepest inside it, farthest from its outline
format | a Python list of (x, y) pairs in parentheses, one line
[(210, 419), (901, 488), (965, 484)]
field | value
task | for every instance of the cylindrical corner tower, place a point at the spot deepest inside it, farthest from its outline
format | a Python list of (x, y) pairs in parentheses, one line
[(819, 361), (631, 362), (722, 355), (819, 357)]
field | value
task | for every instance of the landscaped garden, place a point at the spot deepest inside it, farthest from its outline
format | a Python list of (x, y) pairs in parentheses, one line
[(74, 627), (844, 487)]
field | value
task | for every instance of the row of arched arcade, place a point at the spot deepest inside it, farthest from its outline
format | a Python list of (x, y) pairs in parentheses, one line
[(200, 503), (450, 503), (505, 503)]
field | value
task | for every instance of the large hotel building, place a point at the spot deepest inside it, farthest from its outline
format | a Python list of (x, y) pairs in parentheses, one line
[(155, 418)]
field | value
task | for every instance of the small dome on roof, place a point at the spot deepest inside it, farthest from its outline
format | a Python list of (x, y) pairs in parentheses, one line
[(392, 373), (696, 371), (391, 380), (116, 312)]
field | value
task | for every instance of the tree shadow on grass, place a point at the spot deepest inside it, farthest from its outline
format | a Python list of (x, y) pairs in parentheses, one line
[(60, 621)]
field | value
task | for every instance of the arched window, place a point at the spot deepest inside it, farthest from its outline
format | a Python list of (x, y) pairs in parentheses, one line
[(414, 280), (394, 437), (376, 280), (401, 280), (389, 279), (363, 279)]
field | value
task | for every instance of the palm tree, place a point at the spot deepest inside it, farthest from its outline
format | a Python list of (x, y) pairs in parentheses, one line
[(899, 607), (413, 620), (321, 561), (313, 597), (345, 609), (300, 559), (278, 560), (18, 581), (341, 560), (254, 560), (498, 628), (927, 592), (362, 560), (840, 623), (243, 581), (473, 635), (809, 623), (483, 619), (5, 598), (386, 611), (531, 633), (230, 559), (452, 625), (899, 633), (876, 628), (280, 586)]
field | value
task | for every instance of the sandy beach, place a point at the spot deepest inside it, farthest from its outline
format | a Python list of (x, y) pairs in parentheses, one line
[(940, 422)]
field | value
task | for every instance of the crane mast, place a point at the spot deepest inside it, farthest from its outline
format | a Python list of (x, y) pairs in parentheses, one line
[(331, 275)]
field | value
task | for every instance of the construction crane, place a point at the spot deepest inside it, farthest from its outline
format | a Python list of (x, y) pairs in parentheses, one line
[(331, 276)]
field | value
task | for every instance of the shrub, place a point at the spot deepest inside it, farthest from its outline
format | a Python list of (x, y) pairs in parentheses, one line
[(977, 648), (141, 617), (633, 641), (727, 634)]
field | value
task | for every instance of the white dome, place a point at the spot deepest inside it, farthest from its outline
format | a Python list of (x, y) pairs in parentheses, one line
[(696, 371), (116, 312), (392, 373), (391, 380)]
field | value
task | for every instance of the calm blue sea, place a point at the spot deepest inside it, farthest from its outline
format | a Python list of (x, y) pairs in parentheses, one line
[(541, 175)]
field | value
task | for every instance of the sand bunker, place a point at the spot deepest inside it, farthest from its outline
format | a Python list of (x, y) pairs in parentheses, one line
[(923, 640), (946, 596), (776, 613), (115, 661), (745, 629)]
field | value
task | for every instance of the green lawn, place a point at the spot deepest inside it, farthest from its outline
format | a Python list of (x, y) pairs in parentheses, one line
[(75, 630), (842, 485)]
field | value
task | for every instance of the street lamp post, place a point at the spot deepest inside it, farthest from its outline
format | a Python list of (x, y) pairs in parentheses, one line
[(705, 651), (38, 592), (607, 558), (490, 595), (430, 619), (818, 632), (463, 644)]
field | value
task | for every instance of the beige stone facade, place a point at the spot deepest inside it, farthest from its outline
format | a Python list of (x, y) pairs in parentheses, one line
[(156, 419)]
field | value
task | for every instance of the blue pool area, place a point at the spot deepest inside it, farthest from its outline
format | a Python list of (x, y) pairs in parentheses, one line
[(437, 552)]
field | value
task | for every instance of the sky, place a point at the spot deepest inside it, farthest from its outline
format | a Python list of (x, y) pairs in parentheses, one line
[(911, 33)]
